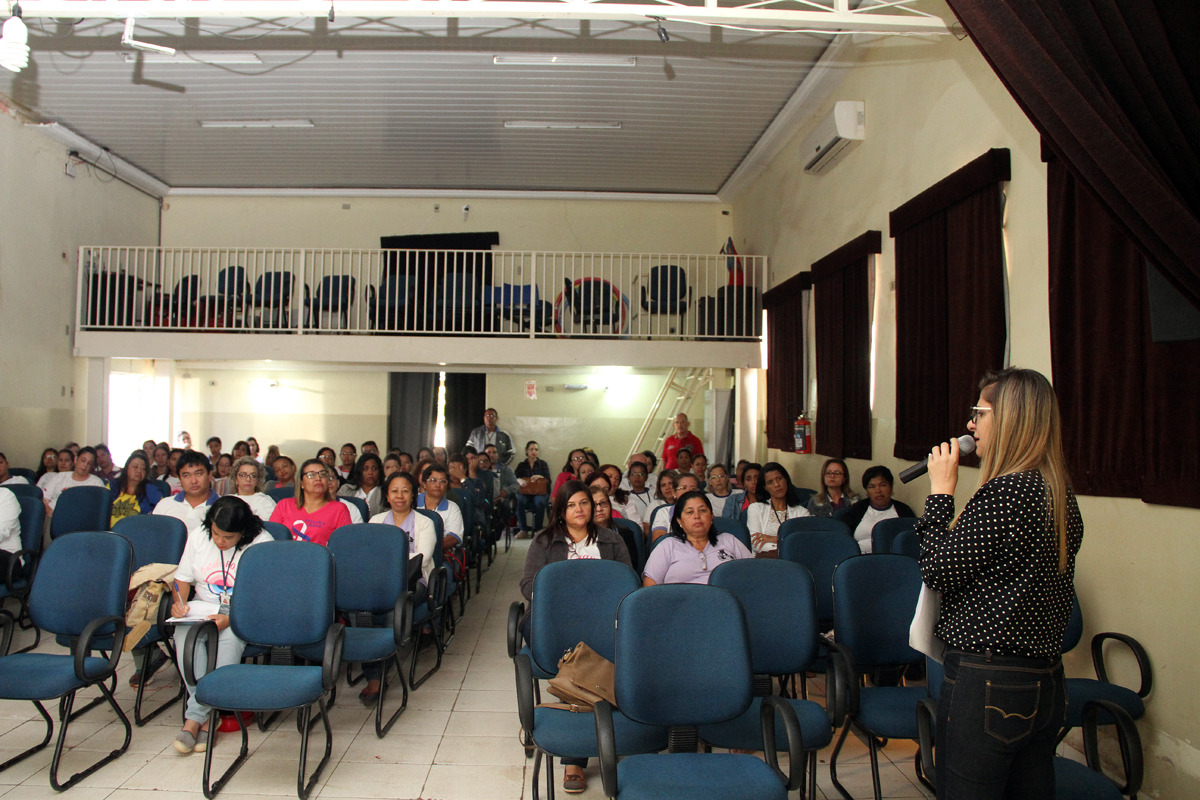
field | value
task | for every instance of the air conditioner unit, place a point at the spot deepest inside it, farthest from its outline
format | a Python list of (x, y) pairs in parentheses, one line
[(834, 136)]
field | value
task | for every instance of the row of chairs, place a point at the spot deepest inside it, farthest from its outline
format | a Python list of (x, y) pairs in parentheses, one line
[(874, 597)]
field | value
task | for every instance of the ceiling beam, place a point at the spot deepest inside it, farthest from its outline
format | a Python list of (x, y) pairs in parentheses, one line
[(752, 13)]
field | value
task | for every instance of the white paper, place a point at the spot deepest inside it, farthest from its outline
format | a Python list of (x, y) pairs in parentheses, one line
[(198, 611)]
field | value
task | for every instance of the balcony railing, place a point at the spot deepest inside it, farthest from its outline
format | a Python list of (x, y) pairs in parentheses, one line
[(414, 292)]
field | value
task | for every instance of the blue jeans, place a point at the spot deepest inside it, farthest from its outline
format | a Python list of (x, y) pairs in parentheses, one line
[(998, 719), (532, 502)]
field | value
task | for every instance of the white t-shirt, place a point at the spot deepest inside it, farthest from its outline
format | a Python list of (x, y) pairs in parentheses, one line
[(10, 522), (661, 519), (718, 502), (208, 568), (631, 510), (14, 479), (761, 518), (583, 550), (178, 507), (61, 482), (260, 503), (862, 534)]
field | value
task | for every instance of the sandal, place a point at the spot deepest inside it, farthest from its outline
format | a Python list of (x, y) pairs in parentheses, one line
[(574, 782), (185, 742), (201, 741)]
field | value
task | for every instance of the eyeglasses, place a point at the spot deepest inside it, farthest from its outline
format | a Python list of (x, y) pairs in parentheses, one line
[(836, 474), (313, 475), (253, 475), (435, 482), (578, 458), (975, 412)]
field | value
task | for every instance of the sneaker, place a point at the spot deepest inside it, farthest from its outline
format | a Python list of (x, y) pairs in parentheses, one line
[(201, 741), (185, 742), (156, 661)]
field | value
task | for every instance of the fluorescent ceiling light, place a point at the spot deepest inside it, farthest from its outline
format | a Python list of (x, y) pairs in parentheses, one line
[(193, 57), (565, 61), (561, 125), (256, 123)]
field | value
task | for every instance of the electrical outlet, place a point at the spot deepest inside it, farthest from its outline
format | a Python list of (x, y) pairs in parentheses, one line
[(70, 168)]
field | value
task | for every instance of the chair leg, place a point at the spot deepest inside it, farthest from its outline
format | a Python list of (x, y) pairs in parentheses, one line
[(833, 762), (435, 624), (41, 745), (64, 721), (211, 789), (138, 717), (303, 789), (381, 729)]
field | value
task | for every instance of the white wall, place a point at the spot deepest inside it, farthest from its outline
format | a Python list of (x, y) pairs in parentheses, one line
[(931, 109), (44, 217)]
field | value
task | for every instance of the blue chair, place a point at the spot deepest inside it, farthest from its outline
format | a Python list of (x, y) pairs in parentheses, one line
[(884, 534), (156, 539), (811, 524), (1072, 780), (163, 487), (82, 508), (735, 526), (706, 636), (1080, 691), (820, 551), (233, 292), (437, 612), (279, 532), (906, 543), (781, 613), (372, 580), (667, 292), (874, 597), (574, 601), (635, 541), (79, 591), (273, 294), (277, 493), (361, 505), (267, 611), (334, 295), (22, 565), (399, 304), (25, 473), (25, 490)]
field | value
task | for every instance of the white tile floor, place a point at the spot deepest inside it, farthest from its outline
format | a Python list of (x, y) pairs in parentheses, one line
[(456, 741)]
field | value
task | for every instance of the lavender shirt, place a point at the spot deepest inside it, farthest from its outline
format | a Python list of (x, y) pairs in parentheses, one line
[(674, 561)]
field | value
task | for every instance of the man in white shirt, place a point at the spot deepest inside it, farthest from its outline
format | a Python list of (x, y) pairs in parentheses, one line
[(196, 495)]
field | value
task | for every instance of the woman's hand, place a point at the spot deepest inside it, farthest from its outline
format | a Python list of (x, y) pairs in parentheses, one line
[(179, 609), (943, 468), (222, 621), (759, 539)]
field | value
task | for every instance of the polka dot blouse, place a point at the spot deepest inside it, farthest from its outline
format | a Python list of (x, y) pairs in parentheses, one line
[(997, 568)]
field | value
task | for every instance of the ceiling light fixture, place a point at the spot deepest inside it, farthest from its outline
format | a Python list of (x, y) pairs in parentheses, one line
[(128, 41), (14, 42), (566, 60), (257, 123), (662, 32), (192, 57), (573, 125)]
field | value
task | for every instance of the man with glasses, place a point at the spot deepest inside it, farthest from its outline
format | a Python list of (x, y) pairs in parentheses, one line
[(489, 433)]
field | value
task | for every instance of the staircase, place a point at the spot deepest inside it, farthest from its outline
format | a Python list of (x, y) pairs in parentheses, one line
[(678, 392)]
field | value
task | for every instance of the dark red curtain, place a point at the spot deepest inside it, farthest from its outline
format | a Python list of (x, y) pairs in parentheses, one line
[(1130, 406), (1113, 86), (950, 319), (785, 358), (842, 302)]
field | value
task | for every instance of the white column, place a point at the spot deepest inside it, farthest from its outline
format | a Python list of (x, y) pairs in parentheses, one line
[(96, 401)]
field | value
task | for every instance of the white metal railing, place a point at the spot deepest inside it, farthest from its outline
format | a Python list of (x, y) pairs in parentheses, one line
[(469, 292)]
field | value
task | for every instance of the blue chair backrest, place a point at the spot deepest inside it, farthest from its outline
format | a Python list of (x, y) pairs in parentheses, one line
[(439, 530), (279, 532), (1074, 631), (80, 578), (874, 597), (906, 543), (394, 289), (280, 493), (361, 505), (781, 610), (82, 508), (372, 566), (25, 473), (666, 632), (811, 524), (884, 534), (576, 601), (156, 538), (735, 526), (187, 290), (163, 487), (32, 521), (631, 533), (232, 283), (335, 292), (284, 594), (274, 289), (820, 551), (25, 490), (668, 288)]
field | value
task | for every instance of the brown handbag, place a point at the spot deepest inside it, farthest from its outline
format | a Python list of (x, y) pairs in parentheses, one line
[(584, 678), (535, 485)]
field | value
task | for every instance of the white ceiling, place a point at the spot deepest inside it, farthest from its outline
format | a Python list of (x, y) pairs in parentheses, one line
[(418, 103)]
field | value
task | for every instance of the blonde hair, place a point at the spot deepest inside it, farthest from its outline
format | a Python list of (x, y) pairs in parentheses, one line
[(1027, 435), (248, 461)]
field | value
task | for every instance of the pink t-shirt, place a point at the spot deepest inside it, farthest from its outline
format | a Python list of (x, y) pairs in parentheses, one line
[(315, 527)]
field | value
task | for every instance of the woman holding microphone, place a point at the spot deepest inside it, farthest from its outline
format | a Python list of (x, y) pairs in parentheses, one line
[(1005, 567)]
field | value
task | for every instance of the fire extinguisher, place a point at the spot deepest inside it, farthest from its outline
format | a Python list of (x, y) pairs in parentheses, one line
[(803, 430)]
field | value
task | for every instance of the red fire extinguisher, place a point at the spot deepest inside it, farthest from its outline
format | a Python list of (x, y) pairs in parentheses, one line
[(803, 430)]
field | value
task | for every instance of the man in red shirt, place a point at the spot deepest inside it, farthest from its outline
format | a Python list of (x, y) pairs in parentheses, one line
[(680, 438)]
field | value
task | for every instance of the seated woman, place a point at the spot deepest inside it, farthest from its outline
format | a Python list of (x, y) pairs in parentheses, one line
[(391, 465), (249, 481), (778, 501), (835, 493), (639, 493), (533, 475), (159, 470), (132, 491), (285, 472), (77, 472), (570, 470), (436, 481), (693, 548), (660, 521), (6, 477), (313, 514), (738, 504), (365, 481), (49, 464), (209, 568), (623, 504), (400, 489), (571, 534), (877, 505), (717, 488), (172, 478), (105, 469), (223, 475)]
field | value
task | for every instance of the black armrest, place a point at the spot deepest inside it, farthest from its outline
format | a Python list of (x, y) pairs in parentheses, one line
[(525, 696), (201, 630), (516, 612), (606, 743), (841, 683), (331, 662), (164, 613), (83, 646), (926, 714), (770, 707), (402, 619), (7, 623), (438, 581), (15, 565), (1139, 653), (1127, 737)]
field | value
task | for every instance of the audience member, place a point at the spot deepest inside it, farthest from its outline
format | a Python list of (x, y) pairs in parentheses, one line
[(272, 456), (172, 478), (700, 470), (10, 528), (717, 486), (623, 504), (6, 477), (490, 433), (664, 489), (73, 447), (249, 481), (391, 465), (738, 469), (314, 513), (132, 491), (185, 440), (682, 437), (223, 475), (639, 494), (877, 505), (105, 469), (440, 456), (424, 453), (241, 449), (253, 450), (683, 459), (693, 548), (196, 495), (835, 493), (738, 505), (328, 457), (406, 461), (570, 471), (148, 447), (778, 501), (435, 480), (533, 476), (214, 448), (77, 472), (349, 456), (49, 463), (660, 522), (285, 473), (586, 470), (369, 446), (159, 470), (365, 482), (507, 485)]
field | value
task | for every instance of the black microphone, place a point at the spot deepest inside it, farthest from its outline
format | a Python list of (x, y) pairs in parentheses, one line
[(966, 446)]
